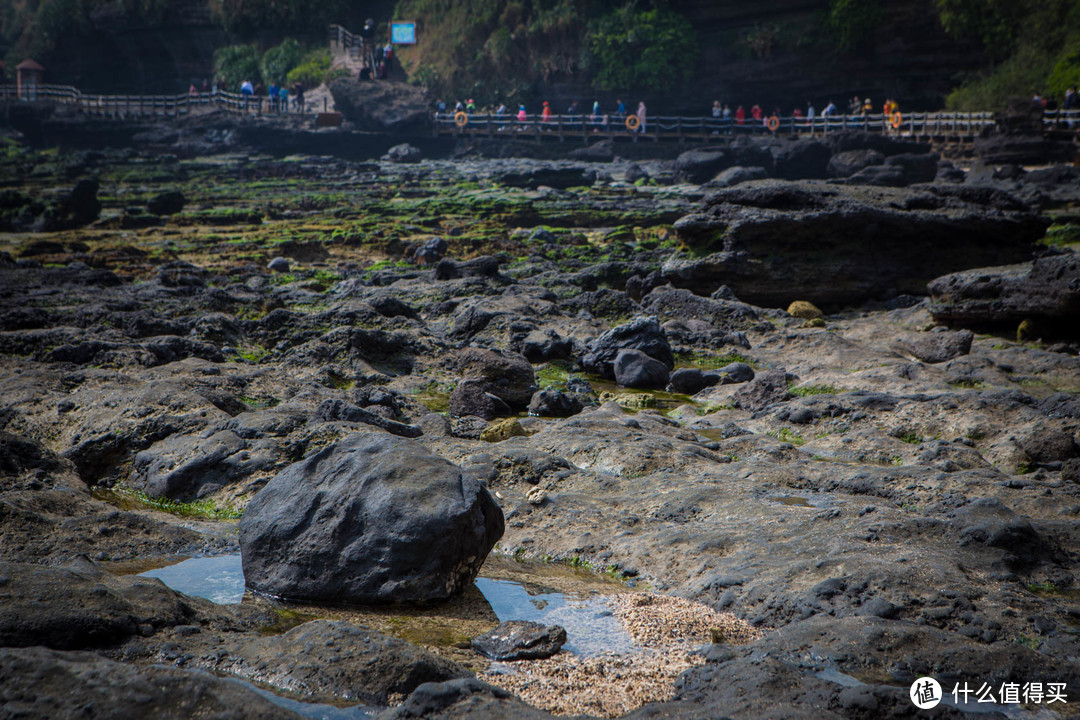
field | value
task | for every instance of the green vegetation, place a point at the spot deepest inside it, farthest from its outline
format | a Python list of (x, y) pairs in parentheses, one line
[(499, 49), (1060, 235), (910, 437), (279, 60), (631, 49), (805, 390), (237, 63), (850, 24), (788, 435), (311, 70), (1034, 41), (206, 509), (284, 621)]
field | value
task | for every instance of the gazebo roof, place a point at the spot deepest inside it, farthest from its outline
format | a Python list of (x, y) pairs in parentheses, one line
[(29, 64)]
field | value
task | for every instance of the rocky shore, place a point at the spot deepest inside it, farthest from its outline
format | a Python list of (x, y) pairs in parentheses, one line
[(821, 429)]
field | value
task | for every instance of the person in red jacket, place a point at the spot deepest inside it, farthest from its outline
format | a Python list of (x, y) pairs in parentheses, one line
[(546, 115), (740, 116)]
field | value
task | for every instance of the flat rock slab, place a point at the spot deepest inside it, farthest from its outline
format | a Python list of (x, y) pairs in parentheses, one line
[(773, 242), (1045, 291), (520, 640)]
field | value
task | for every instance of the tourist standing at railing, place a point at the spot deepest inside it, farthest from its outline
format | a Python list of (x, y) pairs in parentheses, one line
[(1071, 103), (855, 106), (595, 110), (545, 114), (573, 109), (298, 96), (726, 121), (620, 109), (810, 112), (829, 110), (740, 115), (522, 116), (283, 96), (501, 110), (641, 116), (470, 106)]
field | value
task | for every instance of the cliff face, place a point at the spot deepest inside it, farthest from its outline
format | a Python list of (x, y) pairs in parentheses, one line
[(767, 52), (119, 56), (909, 56)]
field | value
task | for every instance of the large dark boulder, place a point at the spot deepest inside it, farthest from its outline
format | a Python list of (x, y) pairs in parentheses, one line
[(773, 242), (507, 376), (643, 333), (1045, 293), (802, 160), (1017, 138), (635, 369), (766, 389), (698, 166), (169, 202), (373, 518), (847, 163), (381, 106), (470, 398), (73, 210), (553, 403)]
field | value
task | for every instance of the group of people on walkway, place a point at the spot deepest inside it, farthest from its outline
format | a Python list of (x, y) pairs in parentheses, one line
[(277, 96), (574, 113)]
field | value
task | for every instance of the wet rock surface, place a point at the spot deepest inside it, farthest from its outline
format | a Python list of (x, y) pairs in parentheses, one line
[(520, 640), (878, 497)]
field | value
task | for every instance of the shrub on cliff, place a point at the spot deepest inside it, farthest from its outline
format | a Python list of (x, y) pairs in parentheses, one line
[(312, 70), (279, 60), (237, 63), (629, 49)]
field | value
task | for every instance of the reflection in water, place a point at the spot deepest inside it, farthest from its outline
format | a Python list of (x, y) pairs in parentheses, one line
[(315, 711), (590, 626)]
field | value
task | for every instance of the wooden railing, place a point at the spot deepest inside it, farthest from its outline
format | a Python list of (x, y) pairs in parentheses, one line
[(667, 126), (138, 106), (920, 125)]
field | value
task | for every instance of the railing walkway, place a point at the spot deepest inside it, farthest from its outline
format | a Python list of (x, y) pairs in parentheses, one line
[(943, 127), (955, 126), (150, 106)]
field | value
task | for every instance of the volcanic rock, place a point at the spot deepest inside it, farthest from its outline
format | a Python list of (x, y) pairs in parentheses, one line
[(373, 518), (774, 241)]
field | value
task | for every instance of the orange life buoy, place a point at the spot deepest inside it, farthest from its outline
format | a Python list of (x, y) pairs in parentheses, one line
[(461, 119), (632, 122), (897, 120), (773, 123)]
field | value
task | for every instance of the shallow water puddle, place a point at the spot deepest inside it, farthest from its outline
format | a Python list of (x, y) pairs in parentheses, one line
[(591, 627), (220, 578)]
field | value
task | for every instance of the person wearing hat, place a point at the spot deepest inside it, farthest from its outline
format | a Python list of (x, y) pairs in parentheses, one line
[(470, 106), (546, 115)]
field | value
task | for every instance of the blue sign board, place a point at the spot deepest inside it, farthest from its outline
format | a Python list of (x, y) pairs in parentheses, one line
[(403, 32)]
